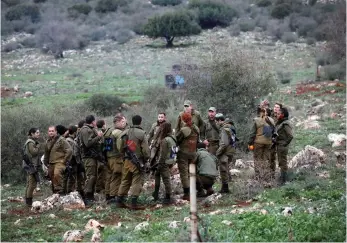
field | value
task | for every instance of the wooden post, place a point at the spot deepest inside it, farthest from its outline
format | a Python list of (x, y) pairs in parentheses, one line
[(193, 208)]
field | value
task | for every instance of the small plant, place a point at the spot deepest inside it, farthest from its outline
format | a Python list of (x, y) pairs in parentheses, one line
[(310, 41), (104, 104), (105, 6), (78, 9), (166, 2), (284, 77), (335, 71), (280, 11), (246, 25), (289, 37), (264, 3), (19, 11)]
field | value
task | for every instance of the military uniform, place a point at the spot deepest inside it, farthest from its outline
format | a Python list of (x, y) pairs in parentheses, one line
[(262, 145), (207, 171), (90, 151), (285, 136), (196, 120), (187, 139), (211, 135), (163, 170), (225, 154), (273, 151), (31, 148), (153, 141), (135, 137), (57, 153)]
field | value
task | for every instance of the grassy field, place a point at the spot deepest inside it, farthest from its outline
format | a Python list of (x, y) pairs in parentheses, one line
[(319, 204)]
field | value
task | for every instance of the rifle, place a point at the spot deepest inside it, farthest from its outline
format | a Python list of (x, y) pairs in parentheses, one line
[(134, 159), (93, 153)]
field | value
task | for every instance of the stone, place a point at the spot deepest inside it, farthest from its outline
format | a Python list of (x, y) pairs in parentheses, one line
[(73, 236), (174, 224), (337, 139), (141, 226), (287, 211), (310, 157), (240, 164), (93, 225), (28, 94)]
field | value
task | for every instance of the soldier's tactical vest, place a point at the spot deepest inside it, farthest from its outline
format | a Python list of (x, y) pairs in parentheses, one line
[(173, 149), (110, 143), (264, 131), (33, 159), (190, 140)]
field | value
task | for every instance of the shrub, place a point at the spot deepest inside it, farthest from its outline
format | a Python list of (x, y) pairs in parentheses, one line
[(280, 11), (122, 35), (166, 2), (97, 34), (11, 47), (262, 21), (289, 37), (11, 3), (16, 122), (29, 42), (324, 58), (39, 1), (18, 11), (104, 6), (284, 77), (234, 30), (104, 104), (306, 26), (335, 71), (212, 14), (246, 25), (78, 9), (171, 25), (233, 80), (264, 3), (276, 28), (310, 41)]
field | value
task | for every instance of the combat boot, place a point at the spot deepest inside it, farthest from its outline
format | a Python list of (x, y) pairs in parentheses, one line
[(82, 194), (89, 199), (283, 178), (110, 199), (107, 197), (29, 201), (224, 189), (134, 204), (186, 195), (120, 202), (155, 194), (167, 200)]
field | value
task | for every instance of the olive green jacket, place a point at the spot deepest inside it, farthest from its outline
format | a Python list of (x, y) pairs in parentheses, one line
[(206, 163), (57, 150), (153, 134), (164, 149), (211, 131), (256, 135), (187, 139), (89, 139), (196, 120), (285, 132), (225, 146), (32, 149)]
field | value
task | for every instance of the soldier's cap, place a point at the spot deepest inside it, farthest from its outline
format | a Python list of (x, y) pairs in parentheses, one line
[(212, 108), (187, 102), (219, 115)]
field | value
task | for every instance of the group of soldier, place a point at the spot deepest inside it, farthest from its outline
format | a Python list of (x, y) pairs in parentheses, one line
[(91, 158)]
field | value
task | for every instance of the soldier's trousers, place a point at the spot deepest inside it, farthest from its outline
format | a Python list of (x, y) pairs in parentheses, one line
[(183, 161), (204, 182), (273, 161), (70, 180), (90, 166), (163, 172), (224, 162), (282, 156), (114, 175), (131, 177), (30, 186), (261, 155), (100, 178), (56, 172)]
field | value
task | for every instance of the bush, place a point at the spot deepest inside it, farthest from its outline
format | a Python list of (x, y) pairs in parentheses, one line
[(246, 25), (78, 9), (212, 14), (280, 11), (18, 11), (11, 3), (324, 58), (306, 26), (289, 37), (11, 47), (122, 35), (234, 30), (16, 123), (97, 34), (29, 42), (264, 3), (104, 104), (233, 81), (166, 2), (310, 41), (335, 71), (276, 28), (262, 21), (105, 6), (40, 1), (284, 77)]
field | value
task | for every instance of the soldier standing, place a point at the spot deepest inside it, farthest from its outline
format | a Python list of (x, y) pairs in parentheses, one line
[(153, 137), (57, 155), (196, 118), (273, 153), (101, 178), (211, 136), (187, 139), (134, 146), (90, 149), (285, 136), (225, 151)]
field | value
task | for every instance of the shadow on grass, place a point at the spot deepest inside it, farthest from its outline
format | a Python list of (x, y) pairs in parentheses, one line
[(162, 45)]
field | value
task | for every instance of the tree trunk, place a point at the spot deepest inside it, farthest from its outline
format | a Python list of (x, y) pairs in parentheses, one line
[(169, 41)]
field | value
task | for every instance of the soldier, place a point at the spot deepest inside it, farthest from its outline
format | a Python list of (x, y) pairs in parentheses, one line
[(114, 157), (225, 151), (261, 138), (207, 170), (57, 154), (102, 170), (285, 136), (187, 139), (276, 109), (211, 130), (32, 149), (90, 149), (153, 135), (134, 146), (166, 158), (196, 118)]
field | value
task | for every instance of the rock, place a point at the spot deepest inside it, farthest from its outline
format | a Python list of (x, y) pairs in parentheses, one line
[(263, 211), (235, 172), (15, 199), (287, 211), (227, 222), (141, 226), (17, 222), (324, 174), (310, 157), (96, 237), (174, 224), (186, 219), (52, 216), (311, 210), (93, 225), (216, 212), (212, 199), (337, 139), (28, 94), (316, 107), (73, 236), (340, 157), (16, 88), (72, 201), (239, 164)]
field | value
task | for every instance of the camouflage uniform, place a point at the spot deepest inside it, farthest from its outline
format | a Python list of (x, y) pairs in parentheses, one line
[(207, 170), (187, 139), (273, 151), (262, 146), (32, 149), (211, 135), (72, 181), (285, 136), (196, 120), (57, 153), (153, 141), (225, 153), (131, 175), (90, 150)]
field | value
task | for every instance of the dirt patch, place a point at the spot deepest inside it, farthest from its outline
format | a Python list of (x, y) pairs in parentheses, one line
[(6, 92), (20, 212), (316, 87)]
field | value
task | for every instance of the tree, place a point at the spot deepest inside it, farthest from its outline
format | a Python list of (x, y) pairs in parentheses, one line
[(171, 25)]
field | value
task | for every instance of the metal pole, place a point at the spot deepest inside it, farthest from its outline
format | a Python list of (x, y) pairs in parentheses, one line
[(193, 208)]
